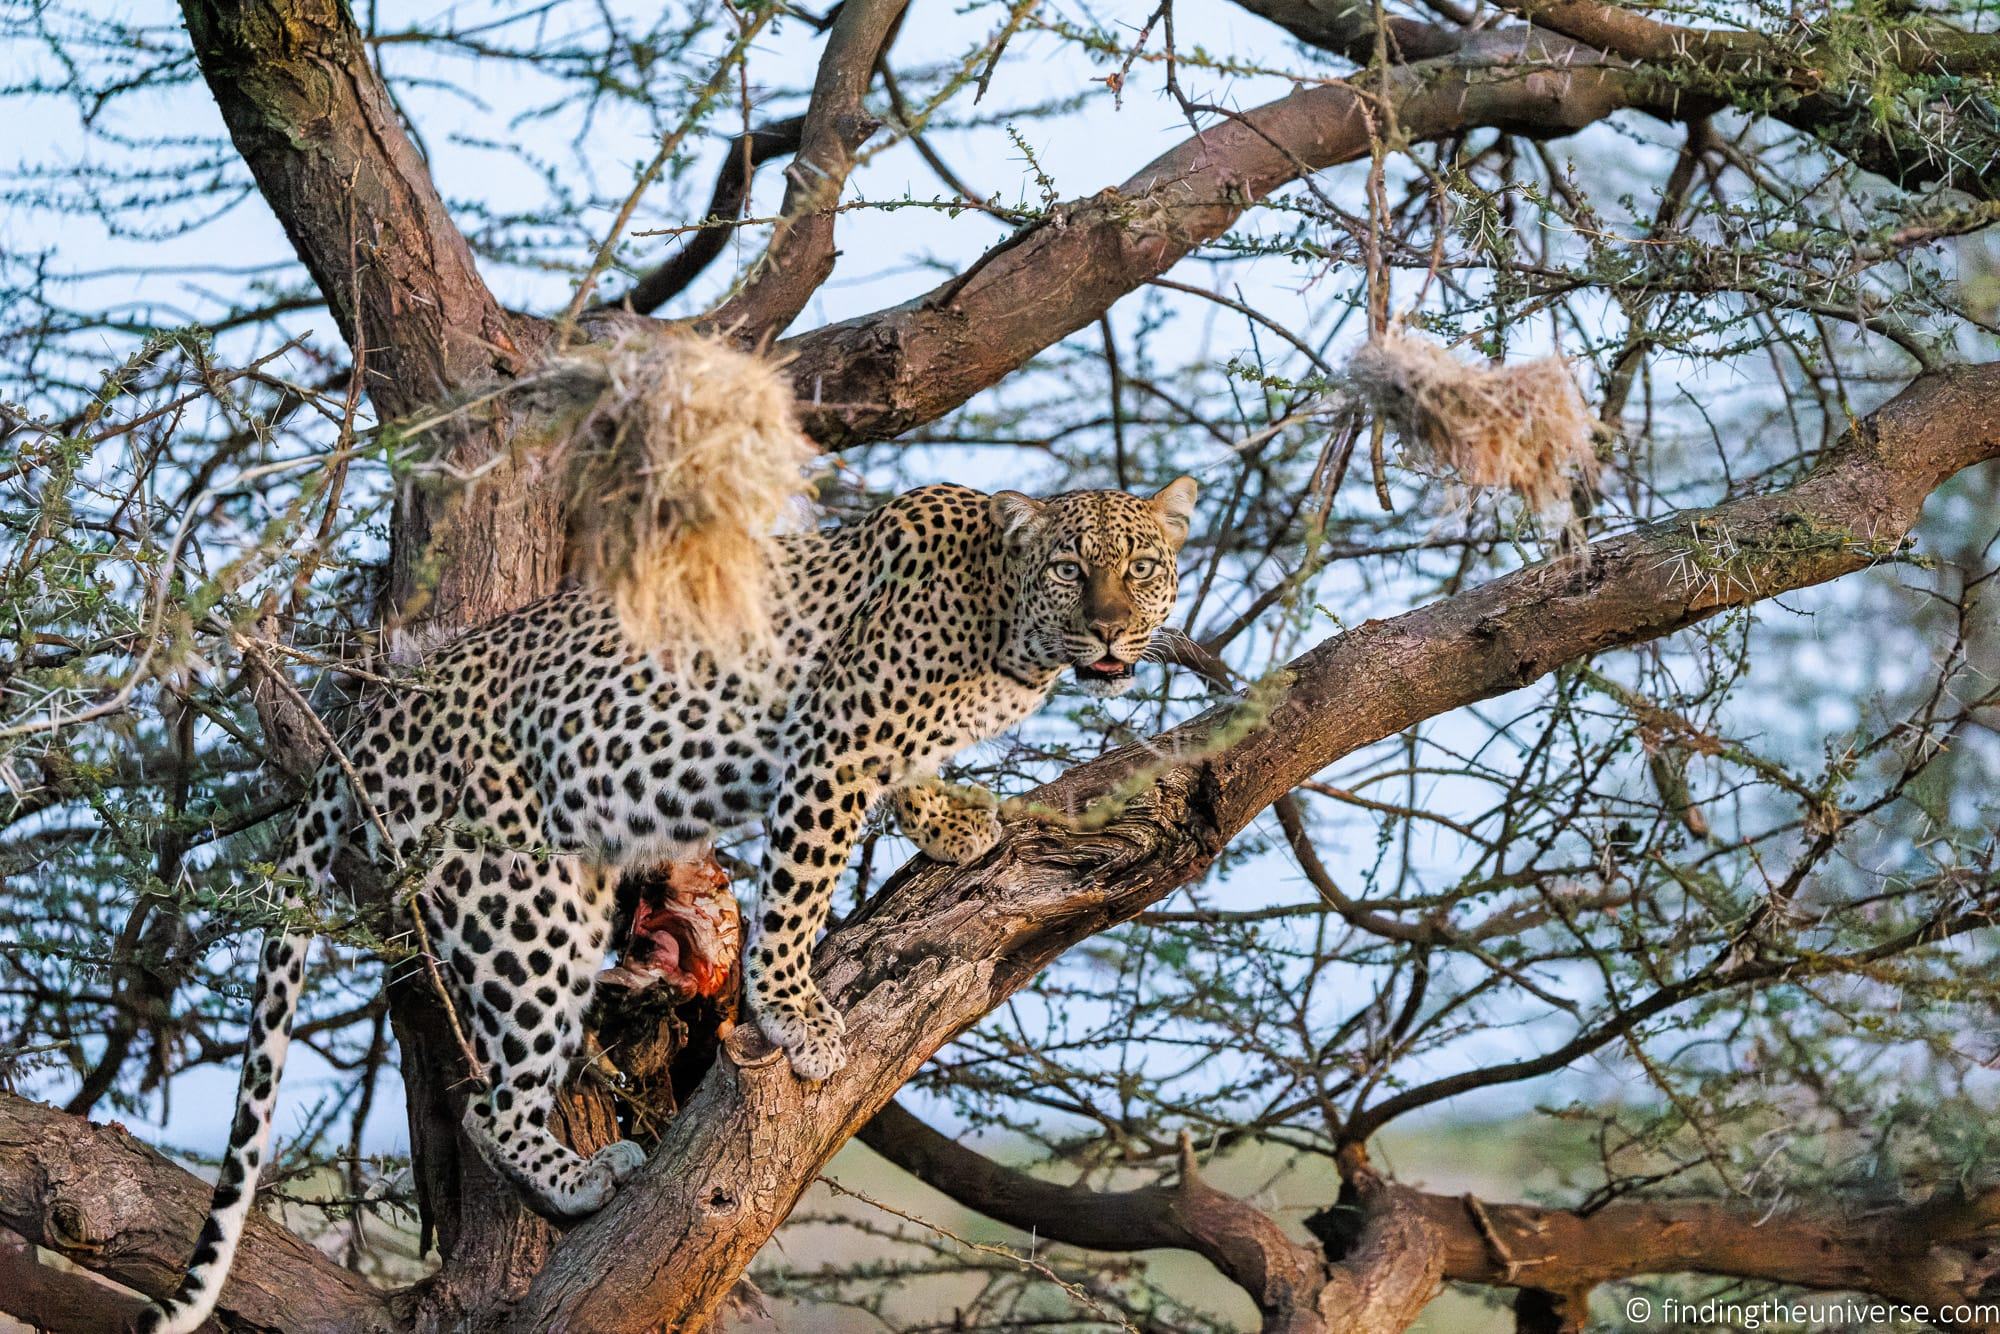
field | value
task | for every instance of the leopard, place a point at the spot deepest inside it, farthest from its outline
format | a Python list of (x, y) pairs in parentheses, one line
[(529, 764)]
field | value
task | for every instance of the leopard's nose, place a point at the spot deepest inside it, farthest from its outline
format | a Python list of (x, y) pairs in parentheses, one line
[(1107, 628)]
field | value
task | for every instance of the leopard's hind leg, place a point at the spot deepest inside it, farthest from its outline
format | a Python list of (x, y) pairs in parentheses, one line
[(520, 936)]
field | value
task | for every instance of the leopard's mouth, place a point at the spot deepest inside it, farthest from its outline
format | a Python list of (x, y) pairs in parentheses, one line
[(1104, 671), (1104, 678)]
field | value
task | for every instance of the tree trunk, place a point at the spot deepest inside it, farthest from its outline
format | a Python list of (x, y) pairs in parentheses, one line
[(329, 152)]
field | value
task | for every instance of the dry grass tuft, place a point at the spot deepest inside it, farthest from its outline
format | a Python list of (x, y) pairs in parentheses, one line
[(678, 470), (1523, 427)]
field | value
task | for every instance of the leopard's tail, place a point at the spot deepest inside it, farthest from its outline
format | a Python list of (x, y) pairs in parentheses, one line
[(274, 1001), (686, 459)]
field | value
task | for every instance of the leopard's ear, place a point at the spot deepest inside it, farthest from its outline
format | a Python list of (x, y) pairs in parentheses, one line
[(1174, 504), (1014, 512)]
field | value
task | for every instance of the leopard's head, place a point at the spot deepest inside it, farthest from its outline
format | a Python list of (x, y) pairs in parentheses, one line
[(1094, 577)]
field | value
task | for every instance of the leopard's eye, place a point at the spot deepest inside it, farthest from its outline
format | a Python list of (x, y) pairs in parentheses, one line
[(1144, 568), (1068, 571)]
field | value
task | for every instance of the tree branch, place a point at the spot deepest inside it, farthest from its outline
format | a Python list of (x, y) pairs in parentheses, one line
[(800, 254), (99, 1197), (1347, 27), (940, 947), (1634, 36), (1941, 1251), (59, 1301), (875, 376), (1937, 1252), (878, 375), (1294, 1286), (1821, 87)]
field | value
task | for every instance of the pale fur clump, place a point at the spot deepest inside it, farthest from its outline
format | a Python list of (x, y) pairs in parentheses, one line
[(684, 459), (1522, 427)]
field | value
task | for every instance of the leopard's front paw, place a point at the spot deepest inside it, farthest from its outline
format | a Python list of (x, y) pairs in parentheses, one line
[(967, 836), (818, 1055), (599, 1180), (809, 1035)]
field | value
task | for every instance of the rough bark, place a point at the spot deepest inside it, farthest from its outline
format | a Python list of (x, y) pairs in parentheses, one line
[(58, 1301), (322, 137), (101, 1198)]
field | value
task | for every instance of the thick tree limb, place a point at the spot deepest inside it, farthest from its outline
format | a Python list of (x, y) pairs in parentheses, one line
[(939, 947), (97, 1196), (880, 374), (320, 133), (1941, 1251), (59, 1301), (877, 375), (1293, 1284)]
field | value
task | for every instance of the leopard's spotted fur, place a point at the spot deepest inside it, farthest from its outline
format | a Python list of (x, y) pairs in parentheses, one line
[(536, 758)]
